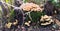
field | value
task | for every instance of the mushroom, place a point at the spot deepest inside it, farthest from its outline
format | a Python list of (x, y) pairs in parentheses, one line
[(28, 23), (46, 20), (8, 25), (30, 7)]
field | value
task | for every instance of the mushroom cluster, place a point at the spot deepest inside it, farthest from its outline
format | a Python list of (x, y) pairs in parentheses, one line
[(30, 7), (46, 20)]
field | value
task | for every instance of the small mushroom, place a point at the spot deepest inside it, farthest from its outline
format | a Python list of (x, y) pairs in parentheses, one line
[(14, 23), (8, 25), (28, 23)]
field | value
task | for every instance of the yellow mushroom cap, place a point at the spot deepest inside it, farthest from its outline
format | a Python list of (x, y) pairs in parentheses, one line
[(8, 25)]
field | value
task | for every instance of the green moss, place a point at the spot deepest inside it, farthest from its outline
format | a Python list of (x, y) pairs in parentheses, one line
[(12, 15), (35, 16)]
